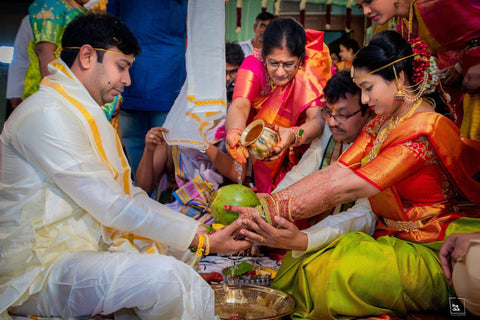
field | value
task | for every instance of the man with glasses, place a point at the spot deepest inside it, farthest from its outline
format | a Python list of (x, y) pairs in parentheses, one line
[(346, 116)]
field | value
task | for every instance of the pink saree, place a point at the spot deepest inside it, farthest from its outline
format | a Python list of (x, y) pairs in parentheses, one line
[(283, 105)]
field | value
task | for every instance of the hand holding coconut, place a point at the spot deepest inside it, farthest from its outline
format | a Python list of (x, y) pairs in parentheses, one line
[(269, 207), (285, 236), (222, 240)]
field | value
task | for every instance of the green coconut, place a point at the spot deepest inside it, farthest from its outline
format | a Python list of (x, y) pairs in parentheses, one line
[(231, 195)]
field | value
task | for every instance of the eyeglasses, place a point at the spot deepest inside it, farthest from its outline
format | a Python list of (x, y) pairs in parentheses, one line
[(287, 66), (231, 73), (327, 113)]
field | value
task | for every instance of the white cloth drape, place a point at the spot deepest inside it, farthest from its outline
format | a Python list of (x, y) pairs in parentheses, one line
[(203, 96)]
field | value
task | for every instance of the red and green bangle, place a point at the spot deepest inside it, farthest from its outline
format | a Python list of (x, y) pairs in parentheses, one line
[(299, 136), (235, 130)]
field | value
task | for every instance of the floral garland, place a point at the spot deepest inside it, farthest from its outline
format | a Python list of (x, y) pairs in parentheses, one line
[(423, 63), (425, 68)]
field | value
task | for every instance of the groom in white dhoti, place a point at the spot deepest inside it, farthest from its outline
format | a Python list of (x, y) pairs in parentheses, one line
[(76, 237)]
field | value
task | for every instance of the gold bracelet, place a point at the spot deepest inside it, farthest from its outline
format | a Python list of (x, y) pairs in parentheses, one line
[(265, 210), (290, 209), (207, 245), (259, 212), (199, 252), (273, 208), (458, 67)]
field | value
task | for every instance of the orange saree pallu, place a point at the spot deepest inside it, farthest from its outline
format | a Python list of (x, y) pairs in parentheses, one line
[(283, 105), (424, 185)]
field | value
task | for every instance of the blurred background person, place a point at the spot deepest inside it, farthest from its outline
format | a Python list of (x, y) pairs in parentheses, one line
[(158, 73), (48, 19), (348, 47), (19, 65), (451, 31), (233, 59), (261, 22)]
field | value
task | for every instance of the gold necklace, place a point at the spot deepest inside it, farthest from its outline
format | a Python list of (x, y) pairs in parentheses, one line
[(383, 134)]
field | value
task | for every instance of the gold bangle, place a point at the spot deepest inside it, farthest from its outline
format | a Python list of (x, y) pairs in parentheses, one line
[(272, 208), (266, 212), (199, 252), (290, 209), (259, 212), (458, 67), (207, 245)]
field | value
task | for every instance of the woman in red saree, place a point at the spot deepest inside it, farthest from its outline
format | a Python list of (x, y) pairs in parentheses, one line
[(281, 85), (422, 181), (452, 30)]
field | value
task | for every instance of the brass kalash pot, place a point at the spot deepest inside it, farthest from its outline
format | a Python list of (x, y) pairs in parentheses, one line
[(259, 139)]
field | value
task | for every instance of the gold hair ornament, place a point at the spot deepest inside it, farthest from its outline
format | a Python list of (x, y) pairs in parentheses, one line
[(57, 52), (381, 68)]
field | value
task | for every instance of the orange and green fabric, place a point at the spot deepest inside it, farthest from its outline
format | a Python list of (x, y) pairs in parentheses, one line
[(48, 19), (424, 171)]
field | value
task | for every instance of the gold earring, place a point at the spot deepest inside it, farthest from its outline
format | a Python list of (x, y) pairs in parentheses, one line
[(400, 95)]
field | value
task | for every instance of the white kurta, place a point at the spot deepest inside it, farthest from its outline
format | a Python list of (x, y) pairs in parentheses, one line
[(64, 178)]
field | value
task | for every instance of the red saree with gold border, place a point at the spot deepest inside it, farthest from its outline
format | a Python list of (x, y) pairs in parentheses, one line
[(283, 105), (424, 171)]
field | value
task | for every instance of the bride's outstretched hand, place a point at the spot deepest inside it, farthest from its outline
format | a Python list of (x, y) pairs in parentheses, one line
[(243, 212)]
